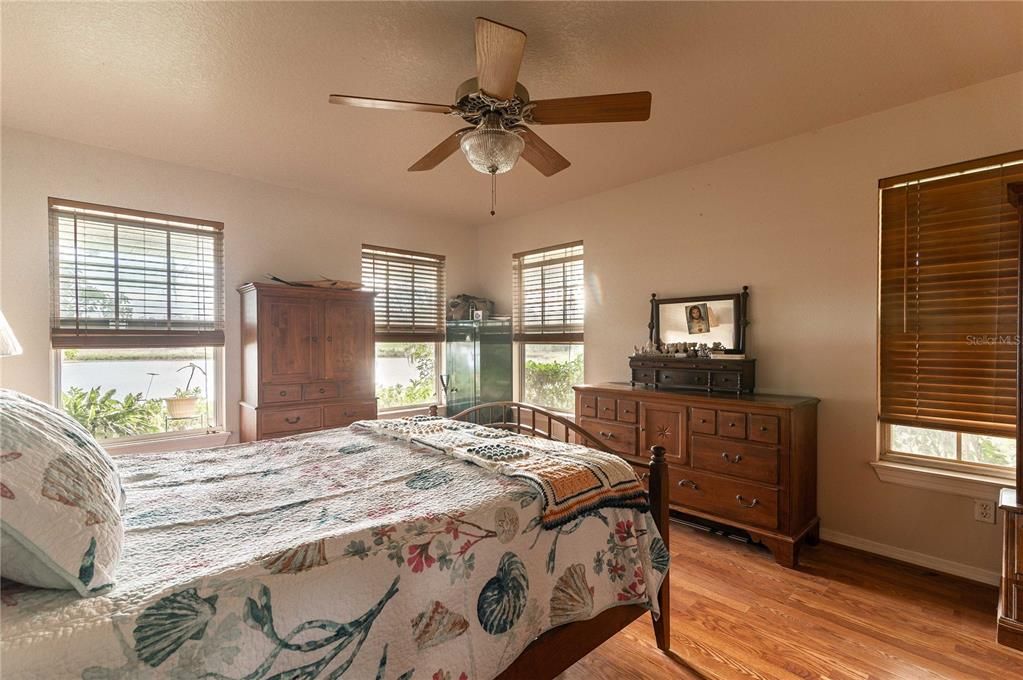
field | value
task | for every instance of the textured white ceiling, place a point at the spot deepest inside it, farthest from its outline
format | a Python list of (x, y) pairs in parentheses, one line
[(242, 88)]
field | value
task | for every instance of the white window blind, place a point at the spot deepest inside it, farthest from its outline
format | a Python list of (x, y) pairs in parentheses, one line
[(410, 293), (125, 278), (549, 301)]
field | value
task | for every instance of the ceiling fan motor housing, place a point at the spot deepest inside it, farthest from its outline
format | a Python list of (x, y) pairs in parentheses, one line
[(473, 104)]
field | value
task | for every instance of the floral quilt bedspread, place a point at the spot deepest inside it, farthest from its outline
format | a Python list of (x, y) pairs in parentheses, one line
[(338, 554)]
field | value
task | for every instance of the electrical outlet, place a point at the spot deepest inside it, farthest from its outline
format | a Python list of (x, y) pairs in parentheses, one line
[(984, 511)]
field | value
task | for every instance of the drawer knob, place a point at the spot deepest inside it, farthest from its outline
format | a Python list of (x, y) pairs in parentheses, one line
[(292, 421), (738, 457), (323, 390), (754, 503), (607, 435), (689, 482), (283, 393), (703, 421), (731, 424), (763, 428)]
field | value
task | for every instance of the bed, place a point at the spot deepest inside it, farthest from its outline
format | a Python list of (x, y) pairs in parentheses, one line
[(359, 552)]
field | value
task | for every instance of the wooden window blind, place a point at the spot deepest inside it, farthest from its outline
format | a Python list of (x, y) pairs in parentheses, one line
[(410, 303), (128, 278), (949, 283), (549, 297)]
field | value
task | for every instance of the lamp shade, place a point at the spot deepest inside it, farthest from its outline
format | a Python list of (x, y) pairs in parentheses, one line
[(8, 343)]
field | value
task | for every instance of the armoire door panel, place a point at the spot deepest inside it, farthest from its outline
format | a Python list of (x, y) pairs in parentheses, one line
[(289, 347), (349, 348), (664, 426)]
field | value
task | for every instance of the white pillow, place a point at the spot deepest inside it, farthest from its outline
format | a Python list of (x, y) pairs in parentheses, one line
[(60, 500)]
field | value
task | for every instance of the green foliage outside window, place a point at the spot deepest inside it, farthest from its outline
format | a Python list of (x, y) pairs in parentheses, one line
[(107, 417), (420, 389), (549, 383)]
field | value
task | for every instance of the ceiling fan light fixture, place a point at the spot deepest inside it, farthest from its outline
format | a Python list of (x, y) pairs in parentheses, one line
[(492, 148)]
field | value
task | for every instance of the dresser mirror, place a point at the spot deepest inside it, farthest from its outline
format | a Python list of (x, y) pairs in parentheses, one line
[(701, 319)]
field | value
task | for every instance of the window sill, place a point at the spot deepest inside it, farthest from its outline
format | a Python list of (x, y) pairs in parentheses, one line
[(185, 442), (406, 411), (946, 481)]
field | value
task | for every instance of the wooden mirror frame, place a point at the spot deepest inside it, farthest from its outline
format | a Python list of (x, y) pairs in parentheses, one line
[(740, 305)]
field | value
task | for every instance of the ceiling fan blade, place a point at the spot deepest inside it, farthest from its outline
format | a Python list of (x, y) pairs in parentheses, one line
[(540, 154), (439, 153), (394, 104), (499, 51), (599, 108)]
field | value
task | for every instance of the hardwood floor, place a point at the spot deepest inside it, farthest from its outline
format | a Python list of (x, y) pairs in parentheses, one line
[(842, 615)]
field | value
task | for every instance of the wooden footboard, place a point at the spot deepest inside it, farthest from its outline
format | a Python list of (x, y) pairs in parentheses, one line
[(560, 647)]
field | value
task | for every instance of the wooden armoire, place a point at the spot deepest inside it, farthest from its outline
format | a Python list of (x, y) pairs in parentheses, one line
[(307, 359)]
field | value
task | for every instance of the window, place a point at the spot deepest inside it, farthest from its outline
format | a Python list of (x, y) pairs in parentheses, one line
[(949, 262), (409, 323), (548, 311), (137, 319)]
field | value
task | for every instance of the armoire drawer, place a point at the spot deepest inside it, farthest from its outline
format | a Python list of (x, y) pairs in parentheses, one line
[(739, 459), (273, 394), (320, 390), (729, 498), (289, 420), (343, 415), (619, 438)]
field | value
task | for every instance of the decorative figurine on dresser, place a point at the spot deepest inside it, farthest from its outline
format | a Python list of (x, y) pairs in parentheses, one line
[(744, 460), (307, 359), (697, 343)]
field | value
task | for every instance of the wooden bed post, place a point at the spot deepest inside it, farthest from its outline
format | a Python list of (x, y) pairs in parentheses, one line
[(659, 510)]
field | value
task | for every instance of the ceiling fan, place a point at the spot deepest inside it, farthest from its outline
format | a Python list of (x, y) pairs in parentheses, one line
[(498, 109)]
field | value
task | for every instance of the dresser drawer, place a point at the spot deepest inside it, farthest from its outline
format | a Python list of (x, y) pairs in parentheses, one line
[(729, 498), (588, 405), (606, 408), (322, 390), (703, 420), (628, 411), (343, 415), (620, 438), (682, 378), (731, 424), (644, 375), (739, 459), (289, 420), (724, 380), (763, 428), (274, 394)]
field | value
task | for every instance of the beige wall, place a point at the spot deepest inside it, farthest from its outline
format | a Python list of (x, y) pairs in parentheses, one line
[(267, 229), (796, 221)]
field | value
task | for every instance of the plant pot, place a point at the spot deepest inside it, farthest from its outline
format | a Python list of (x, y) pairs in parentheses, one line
[(182, 407)]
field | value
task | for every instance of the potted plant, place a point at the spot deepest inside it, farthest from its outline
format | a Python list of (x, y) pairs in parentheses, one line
[(185, 402)]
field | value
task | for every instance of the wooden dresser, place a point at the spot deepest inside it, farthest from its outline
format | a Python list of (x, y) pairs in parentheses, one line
[(307, 359), (748, 461)]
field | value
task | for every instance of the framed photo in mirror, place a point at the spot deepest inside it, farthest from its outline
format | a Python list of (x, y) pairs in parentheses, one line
[(701, 319)]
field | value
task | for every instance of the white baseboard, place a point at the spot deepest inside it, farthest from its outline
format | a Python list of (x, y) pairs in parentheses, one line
[(920, 559)]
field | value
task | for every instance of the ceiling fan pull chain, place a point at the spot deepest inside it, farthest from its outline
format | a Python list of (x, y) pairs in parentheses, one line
[(493, 193)]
